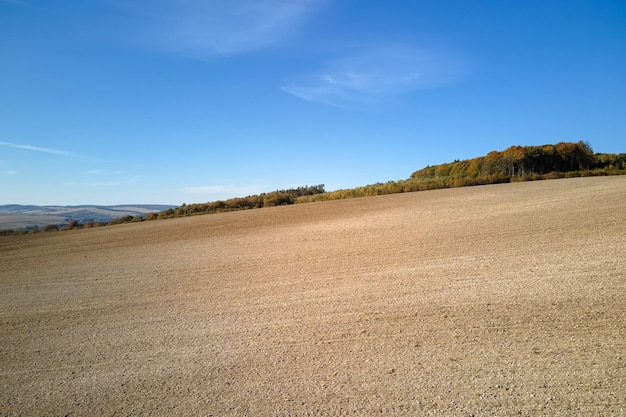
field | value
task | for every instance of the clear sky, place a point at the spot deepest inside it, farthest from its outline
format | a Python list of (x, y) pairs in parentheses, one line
[(187, 101)]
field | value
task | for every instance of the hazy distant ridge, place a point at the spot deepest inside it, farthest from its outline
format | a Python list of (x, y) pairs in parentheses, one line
[(17, 216)]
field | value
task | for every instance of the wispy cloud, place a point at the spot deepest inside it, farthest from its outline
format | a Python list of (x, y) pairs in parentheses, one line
[(369, 75), (103, 172), (107, 184), (202, 28), (18, 2), (40, 149), (10, 172), (225, 191)]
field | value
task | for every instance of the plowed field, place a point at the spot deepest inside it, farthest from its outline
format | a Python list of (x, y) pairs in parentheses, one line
[(494, 300)]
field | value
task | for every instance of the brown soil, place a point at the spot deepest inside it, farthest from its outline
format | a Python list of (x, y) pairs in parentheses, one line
[(495, 300)]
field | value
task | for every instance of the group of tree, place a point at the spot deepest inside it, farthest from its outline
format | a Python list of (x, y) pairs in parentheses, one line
[(517, 163), (274, 198)]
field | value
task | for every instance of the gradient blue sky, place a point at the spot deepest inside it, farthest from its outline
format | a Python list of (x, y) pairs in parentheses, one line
[(172, 101)]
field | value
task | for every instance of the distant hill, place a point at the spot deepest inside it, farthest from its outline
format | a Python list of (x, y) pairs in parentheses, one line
[(517, 163), (16, 216)]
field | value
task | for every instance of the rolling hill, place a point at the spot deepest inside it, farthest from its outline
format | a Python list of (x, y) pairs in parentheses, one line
[(505, 299), (15, 216)]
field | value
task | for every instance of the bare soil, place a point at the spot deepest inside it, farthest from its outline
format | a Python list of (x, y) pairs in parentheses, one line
[(494, 300)]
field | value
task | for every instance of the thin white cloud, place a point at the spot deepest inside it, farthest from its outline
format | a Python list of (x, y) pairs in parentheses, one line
[(202, 28), (98, 184), (95, 184), (103, 172), (39, 149), (10, 172), (95, 172), (225, 191), (372, 74)]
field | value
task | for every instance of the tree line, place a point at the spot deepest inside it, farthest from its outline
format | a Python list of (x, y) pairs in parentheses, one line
[(274, 198), (517, 163)]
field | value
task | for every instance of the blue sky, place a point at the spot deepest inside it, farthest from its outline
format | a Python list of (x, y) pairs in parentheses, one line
[(185, 101)]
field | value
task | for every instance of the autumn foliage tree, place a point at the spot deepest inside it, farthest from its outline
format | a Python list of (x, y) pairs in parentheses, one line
[(517, 163)]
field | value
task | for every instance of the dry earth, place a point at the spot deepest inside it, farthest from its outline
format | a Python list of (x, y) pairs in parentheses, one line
[(495, 300)]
